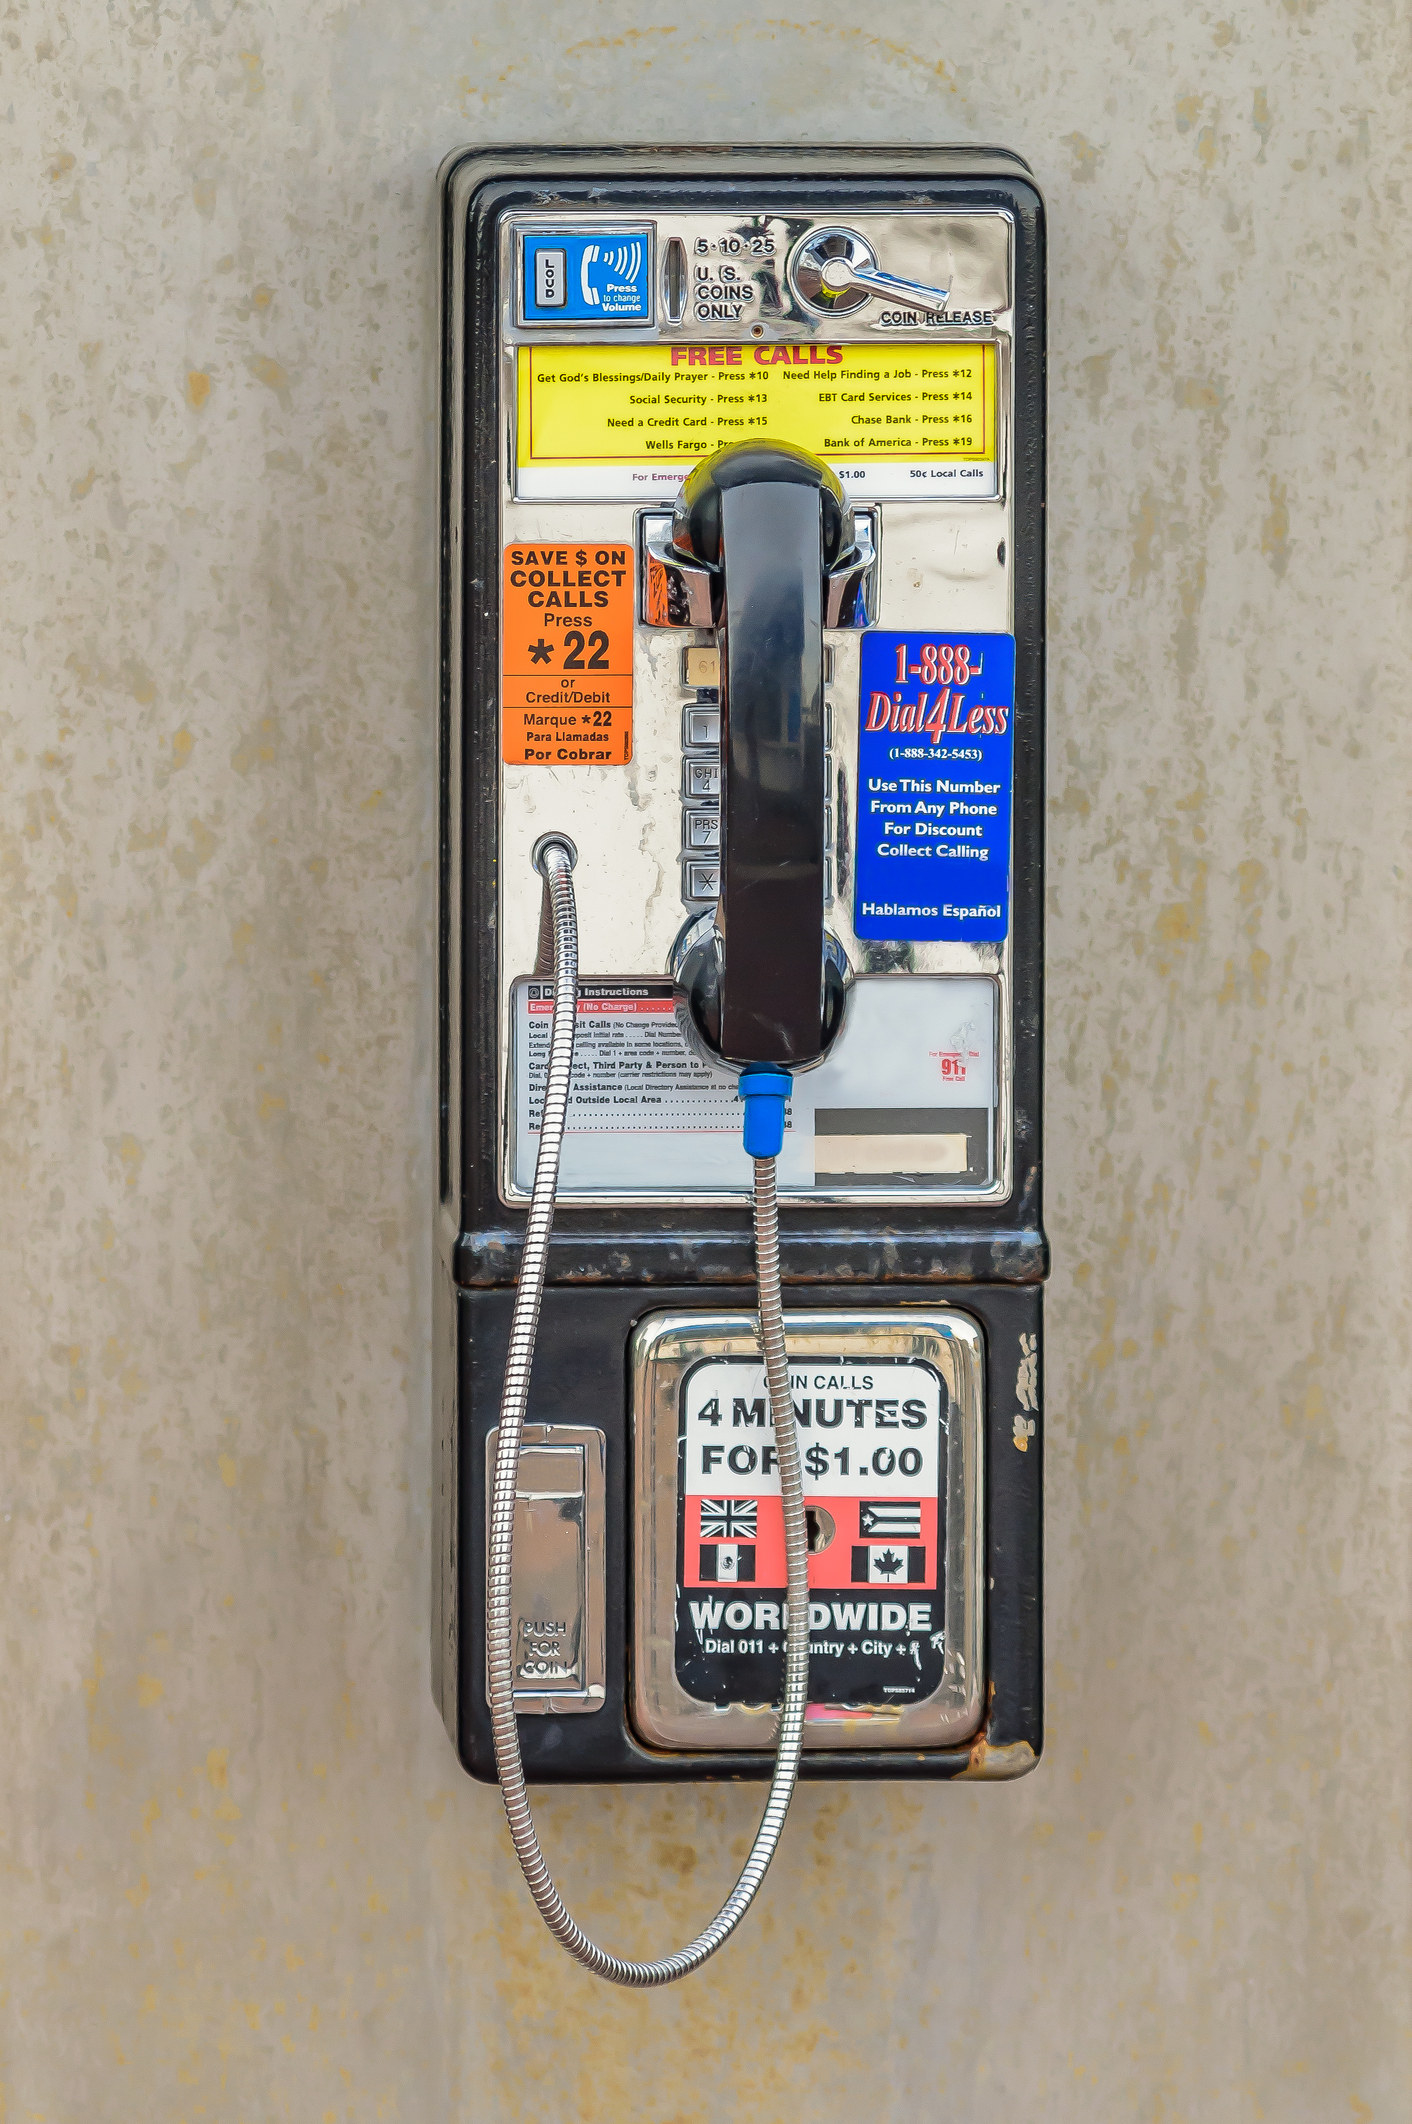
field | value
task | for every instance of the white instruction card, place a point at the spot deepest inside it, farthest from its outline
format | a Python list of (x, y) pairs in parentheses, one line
[(905, 1102)]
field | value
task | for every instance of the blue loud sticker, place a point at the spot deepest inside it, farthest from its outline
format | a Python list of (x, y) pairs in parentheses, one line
[(577, 276), (935, 753)]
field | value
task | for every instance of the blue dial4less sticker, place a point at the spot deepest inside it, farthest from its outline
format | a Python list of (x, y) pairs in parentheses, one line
[(935, 752)]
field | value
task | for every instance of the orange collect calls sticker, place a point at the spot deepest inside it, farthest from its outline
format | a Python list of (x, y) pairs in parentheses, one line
[(566, 635)]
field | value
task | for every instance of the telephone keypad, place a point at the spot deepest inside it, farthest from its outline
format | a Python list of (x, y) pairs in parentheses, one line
[(701, 788), (701, 780)]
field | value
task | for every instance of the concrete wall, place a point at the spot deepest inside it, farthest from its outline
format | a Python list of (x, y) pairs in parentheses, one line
[(242, 1877)]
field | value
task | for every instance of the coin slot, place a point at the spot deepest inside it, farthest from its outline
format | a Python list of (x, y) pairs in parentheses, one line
[(821, 1528), (674, 279)]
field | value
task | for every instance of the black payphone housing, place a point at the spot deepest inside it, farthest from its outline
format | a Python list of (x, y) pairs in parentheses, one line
[(583, 292)]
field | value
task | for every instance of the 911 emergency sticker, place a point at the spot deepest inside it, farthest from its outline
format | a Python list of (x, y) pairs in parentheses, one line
[(874, 1440)]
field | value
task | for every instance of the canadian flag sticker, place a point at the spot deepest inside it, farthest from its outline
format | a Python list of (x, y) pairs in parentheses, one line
[(889, 1563)]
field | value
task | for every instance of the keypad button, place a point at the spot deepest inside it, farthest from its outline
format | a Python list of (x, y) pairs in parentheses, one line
[(701, 667), (701, 829), (703, 881), (701, 728)]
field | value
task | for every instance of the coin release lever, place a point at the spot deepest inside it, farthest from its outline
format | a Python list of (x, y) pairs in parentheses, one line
[(836, 270)]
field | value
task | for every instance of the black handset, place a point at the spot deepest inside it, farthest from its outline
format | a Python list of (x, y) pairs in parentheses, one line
[(771, 523)]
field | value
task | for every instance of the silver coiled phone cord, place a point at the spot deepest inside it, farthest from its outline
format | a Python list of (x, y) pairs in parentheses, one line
[(556, 861)]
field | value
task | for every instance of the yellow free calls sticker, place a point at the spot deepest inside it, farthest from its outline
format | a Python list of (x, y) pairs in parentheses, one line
[(612, 421)]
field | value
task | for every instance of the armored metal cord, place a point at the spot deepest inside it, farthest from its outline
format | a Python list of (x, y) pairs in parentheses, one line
[(556, 862)]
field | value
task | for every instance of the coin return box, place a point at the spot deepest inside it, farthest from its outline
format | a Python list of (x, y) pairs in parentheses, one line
[(557, 1592)]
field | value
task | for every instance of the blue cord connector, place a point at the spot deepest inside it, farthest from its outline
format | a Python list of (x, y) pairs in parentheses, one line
[(764, 1091)]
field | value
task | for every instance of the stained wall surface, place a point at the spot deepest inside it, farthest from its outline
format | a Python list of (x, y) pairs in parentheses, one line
[(241, 1877)]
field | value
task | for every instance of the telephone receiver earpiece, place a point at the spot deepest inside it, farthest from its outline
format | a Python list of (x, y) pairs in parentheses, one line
[(761, 984)]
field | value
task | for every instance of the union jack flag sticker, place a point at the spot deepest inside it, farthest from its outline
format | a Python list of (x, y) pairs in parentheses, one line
[(728, 1518)]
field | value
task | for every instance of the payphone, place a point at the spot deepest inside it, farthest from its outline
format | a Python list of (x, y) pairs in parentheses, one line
[(740, 1259)]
